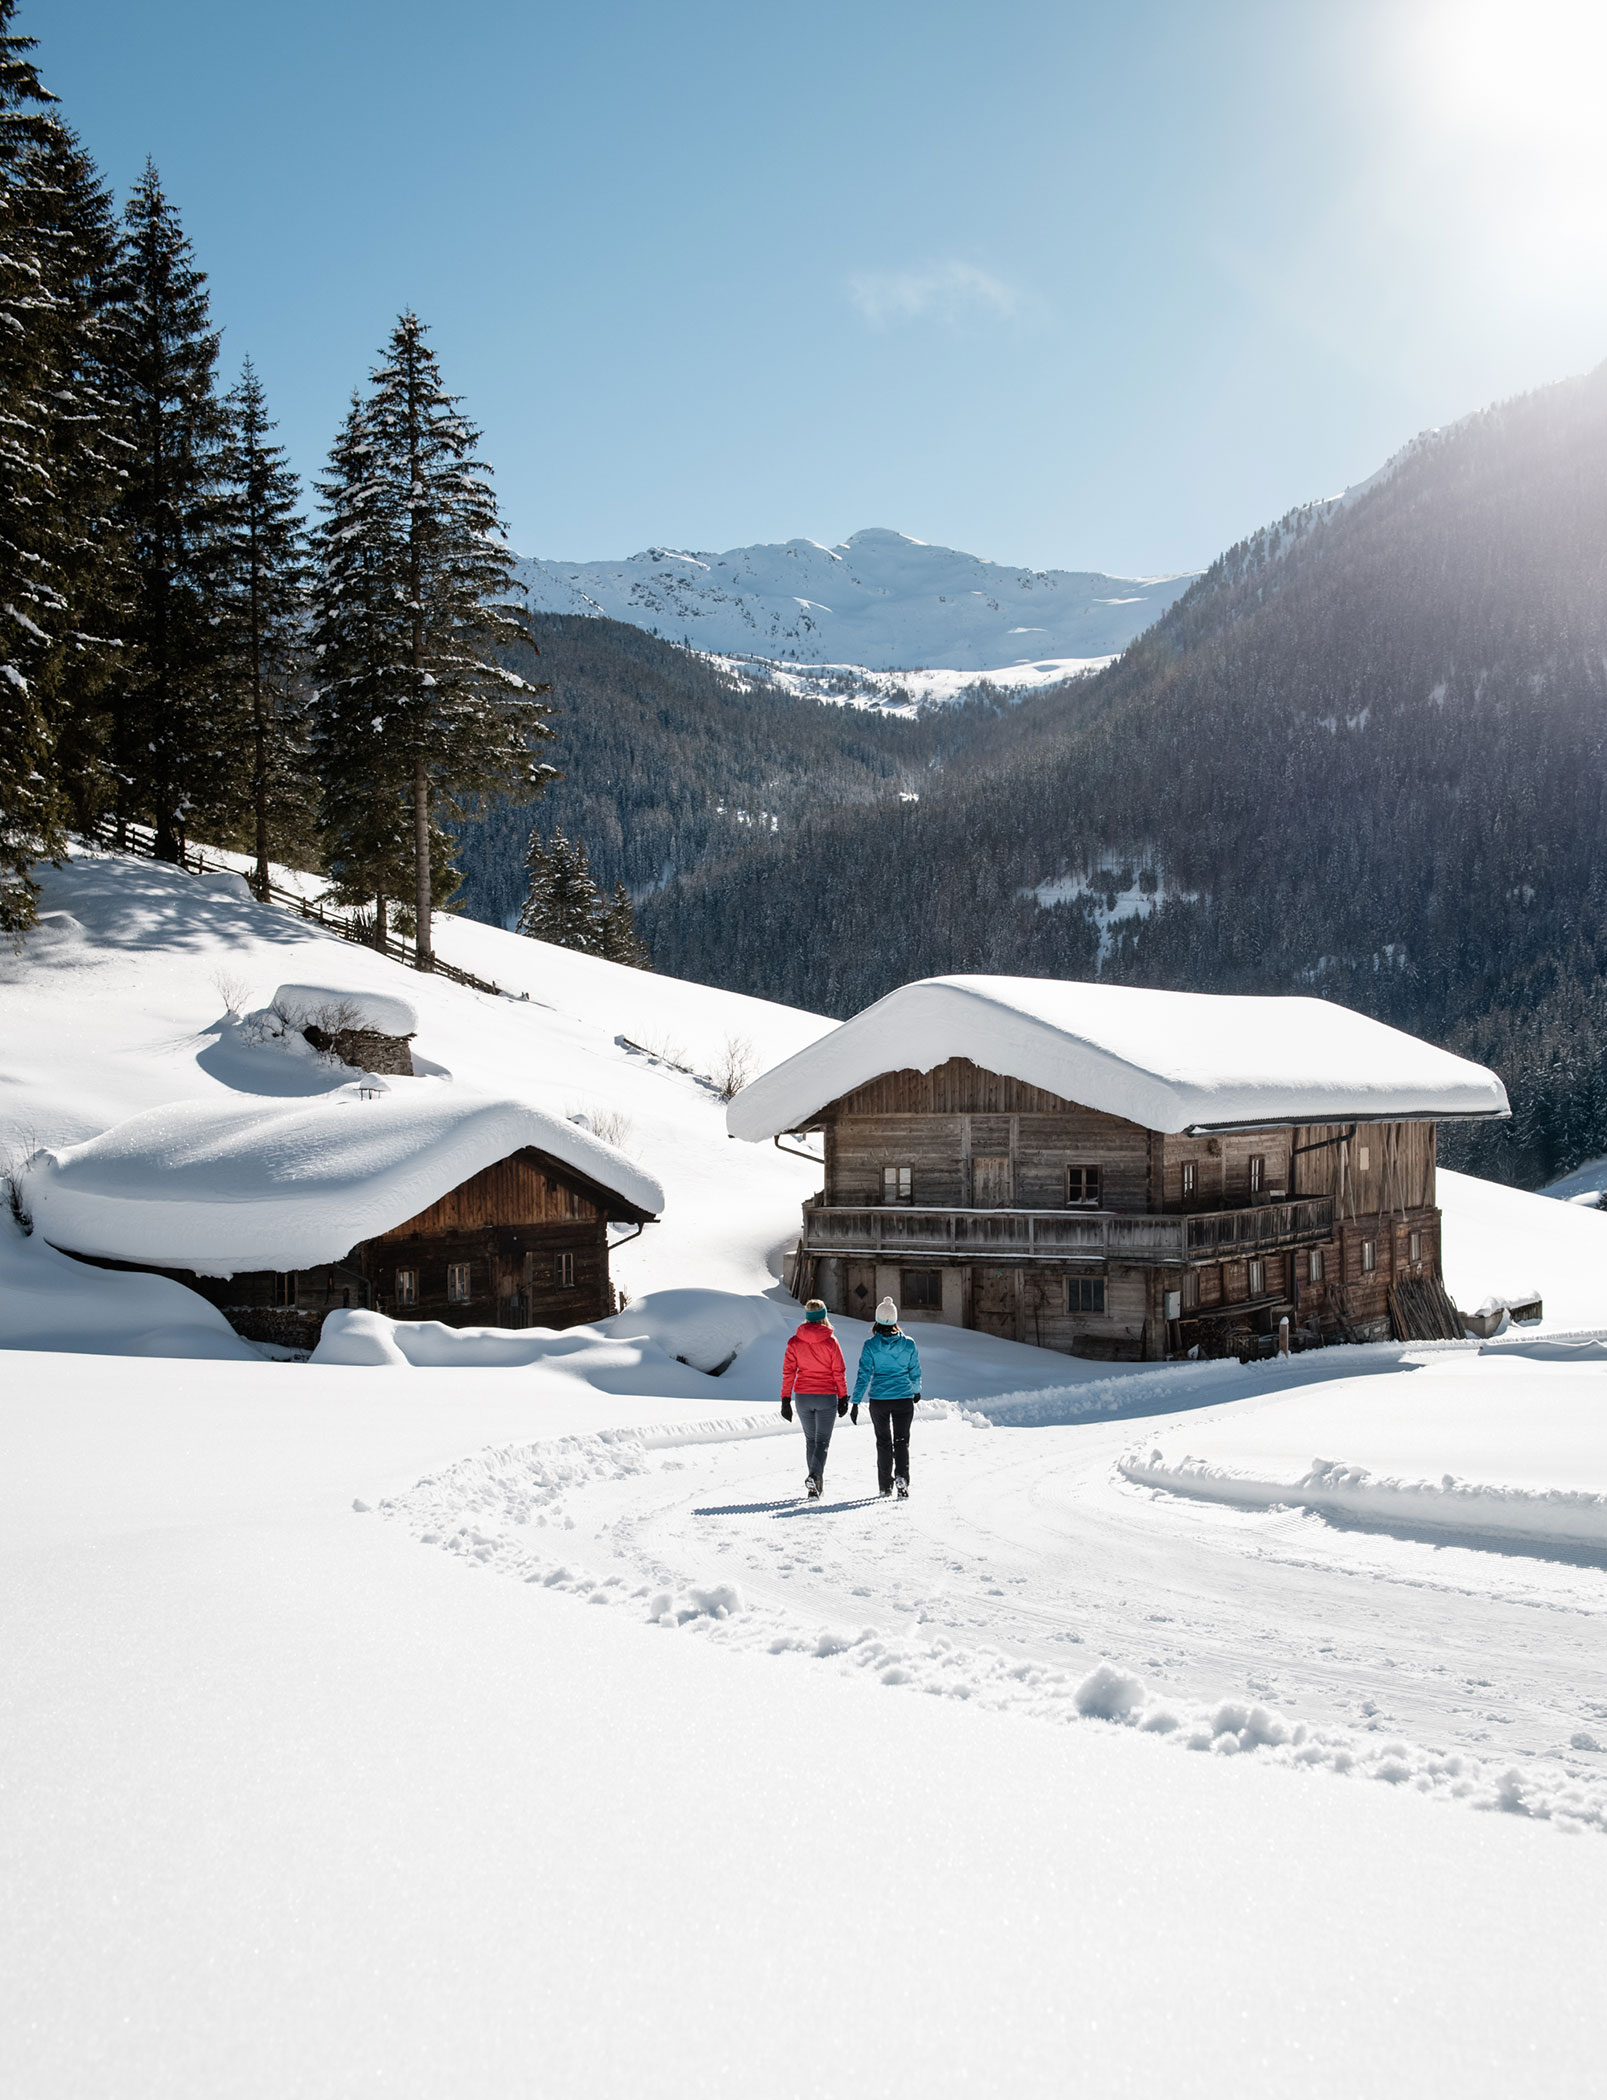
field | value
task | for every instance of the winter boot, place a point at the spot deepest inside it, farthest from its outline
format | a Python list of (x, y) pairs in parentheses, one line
[(812, 1488), (903, 1487)]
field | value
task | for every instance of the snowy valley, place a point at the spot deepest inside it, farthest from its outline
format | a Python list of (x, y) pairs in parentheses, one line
[(522, 1649)]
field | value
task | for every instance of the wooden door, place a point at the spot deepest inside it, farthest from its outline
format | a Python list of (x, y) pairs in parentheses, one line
[(991, 1181), (993, 1302)]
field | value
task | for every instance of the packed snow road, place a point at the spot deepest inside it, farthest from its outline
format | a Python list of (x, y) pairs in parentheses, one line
[(1024, 1559)]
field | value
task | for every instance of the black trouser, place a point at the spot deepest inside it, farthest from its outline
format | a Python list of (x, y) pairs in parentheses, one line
[(891, 1421)]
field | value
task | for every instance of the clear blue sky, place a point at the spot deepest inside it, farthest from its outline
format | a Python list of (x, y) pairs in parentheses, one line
[(1075, 285)]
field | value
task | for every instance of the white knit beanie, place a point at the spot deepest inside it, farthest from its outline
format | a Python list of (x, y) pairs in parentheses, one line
[(887, 1314)]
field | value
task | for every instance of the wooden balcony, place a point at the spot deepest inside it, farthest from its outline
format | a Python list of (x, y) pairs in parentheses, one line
[(888, 1232)]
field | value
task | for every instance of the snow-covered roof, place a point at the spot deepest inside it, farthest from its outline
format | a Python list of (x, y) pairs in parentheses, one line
[(221, 1188), (381, 1011), (1171, 1061)]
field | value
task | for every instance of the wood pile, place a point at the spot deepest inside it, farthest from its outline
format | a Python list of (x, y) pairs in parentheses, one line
[(1420, 1310)]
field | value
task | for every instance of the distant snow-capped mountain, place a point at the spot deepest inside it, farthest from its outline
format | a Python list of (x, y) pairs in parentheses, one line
[(881, 600)]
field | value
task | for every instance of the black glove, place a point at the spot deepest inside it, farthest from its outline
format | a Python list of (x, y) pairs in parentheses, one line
[(786, 1410), (853, 1414), (842, 1407), (917, 1399)]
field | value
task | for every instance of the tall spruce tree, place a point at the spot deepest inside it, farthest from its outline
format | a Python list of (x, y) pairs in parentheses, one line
[(460, 725), (562, 906), (362, 772), (56, 242), (176, 747), (618, 939), (264, 612)]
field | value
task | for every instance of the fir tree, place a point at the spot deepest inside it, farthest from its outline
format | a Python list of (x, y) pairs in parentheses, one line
[(460, 725), (563, 906), (619, 940), (264, 609), (176, 749), (362, 813)]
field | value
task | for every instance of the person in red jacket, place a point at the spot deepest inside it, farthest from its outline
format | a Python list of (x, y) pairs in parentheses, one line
[(814, 1374)]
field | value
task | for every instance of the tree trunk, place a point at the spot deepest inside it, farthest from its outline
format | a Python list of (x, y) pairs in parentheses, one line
[(425, 957), (259, 728), (380, 937)]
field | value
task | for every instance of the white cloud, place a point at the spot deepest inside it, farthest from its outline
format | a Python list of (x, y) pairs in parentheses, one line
[(946, 292)]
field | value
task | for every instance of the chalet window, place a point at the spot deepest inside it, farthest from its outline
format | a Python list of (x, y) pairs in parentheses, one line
[(563, 1272), (897, 1184), (1316, 1266), (407, 1286), (1083, 1187), (1191, 1289), (921, 1289), (1258, 1173), (1414, 1246), (1085, 1294), (1191, 1175), (457, 1283), (1258, 1279), (1369, 1257)]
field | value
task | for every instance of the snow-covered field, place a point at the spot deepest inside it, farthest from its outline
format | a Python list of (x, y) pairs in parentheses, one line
[(488, 1715)]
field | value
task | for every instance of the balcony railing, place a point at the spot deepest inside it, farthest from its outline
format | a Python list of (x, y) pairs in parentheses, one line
[(881, 1231)]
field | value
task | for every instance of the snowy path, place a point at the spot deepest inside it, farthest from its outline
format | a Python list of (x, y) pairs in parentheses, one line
[(1023, 1558)]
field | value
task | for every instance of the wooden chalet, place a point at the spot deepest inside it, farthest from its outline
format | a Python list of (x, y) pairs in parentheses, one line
[(1119, 1211), (382, 1202)]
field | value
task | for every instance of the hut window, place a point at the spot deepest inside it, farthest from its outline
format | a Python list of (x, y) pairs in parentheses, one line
[(1258, 1173), (1082, 1187), (1414, 1246), (1364, 1158), (897, 1184), (1316, 1265), (407, 1286), (1191, 1289), (457, 1283), (563, 1272), (1258, 1279), (922, 1289), (1369, 1257), (1085, 1294), (1191, 1174)]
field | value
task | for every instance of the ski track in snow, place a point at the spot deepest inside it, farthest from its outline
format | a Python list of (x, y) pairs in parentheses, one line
[(1026, 1574)]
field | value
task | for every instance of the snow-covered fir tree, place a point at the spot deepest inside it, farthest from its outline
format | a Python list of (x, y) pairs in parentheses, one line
[(364, 775), (57, 475), (177, 750), (562, 906), (263, 619), (621, 942), (451, 724)]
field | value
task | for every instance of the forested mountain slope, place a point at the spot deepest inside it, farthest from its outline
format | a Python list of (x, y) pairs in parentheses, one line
[(668, 760), (1363, 755)]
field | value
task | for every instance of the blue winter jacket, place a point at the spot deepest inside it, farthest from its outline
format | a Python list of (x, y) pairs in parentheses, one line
[(890, 1365)]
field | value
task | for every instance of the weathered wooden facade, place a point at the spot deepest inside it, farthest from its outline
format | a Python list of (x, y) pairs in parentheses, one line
[(523, 1243), (981, 1201)]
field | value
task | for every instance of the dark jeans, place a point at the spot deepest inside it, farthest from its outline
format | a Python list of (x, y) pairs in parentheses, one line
[(817, 1418), (891, 1421)]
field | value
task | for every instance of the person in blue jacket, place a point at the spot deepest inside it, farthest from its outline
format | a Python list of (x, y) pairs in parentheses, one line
[(890, 1371)]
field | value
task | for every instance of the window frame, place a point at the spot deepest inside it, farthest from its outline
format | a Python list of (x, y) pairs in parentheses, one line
[(1369, 1257), (1189, 1290), (903, 1185), (456, 1270), (563, 1271), (1316, 1265), (1258, 1173), (1087, 1177), (1089, 1288), (1189, 1179), (928, 1297), (1256, 1277), (405, 1283), (1414, 1244)]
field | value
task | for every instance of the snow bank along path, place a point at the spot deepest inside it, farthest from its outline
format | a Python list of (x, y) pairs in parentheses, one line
[(1494, 1450), (294, 1805)]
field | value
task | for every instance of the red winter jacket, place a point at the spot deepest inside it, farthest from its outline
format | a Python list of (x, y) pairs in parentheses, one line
[(814, 1363)]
